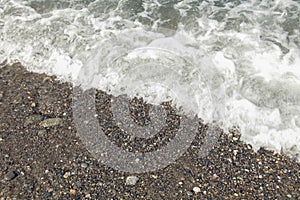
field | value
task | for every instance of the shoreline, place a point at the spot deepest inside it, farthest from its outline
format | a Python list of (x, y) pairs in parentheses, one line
[(44, 160)]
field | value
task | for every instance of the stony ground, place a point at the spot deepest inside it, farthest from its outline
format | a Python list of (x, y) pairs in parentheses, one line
[(41, 156)]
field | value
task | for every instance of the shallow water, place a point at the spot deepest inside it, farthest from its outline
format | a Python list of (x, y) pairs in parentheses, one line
[(234, 62)]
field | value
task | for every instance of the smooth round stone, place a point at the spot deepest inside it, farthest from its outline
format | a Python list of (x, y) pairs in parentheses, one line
[(84, 165), (10, 176), (196, 190)]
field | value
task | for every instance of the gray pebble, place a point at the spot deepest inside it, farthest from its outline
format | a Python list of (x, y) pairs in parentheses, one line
[(42, 132), (51, 122), (32, 119), (131, 180), (84, 165), (10, 175)]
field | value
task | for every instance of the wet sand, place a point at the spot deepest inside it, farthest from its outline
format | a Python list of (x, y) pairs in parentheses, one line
[(42, 157)]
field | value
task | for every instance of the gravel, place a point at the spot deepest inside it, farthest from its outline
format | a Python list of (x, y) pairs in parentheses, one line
[(49, 163)]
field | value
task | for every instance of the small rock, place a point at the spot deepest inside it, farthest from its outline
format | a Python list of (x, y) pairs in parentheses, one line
[(66, 175), (215, 176), (73, 192), (131, 180), (196, 190), (154, 176), (32, 119), (1, 139), (51, 122), (235, 152), (37, 188), (1, 95), (10, 175), (84, 165), (42, 132)]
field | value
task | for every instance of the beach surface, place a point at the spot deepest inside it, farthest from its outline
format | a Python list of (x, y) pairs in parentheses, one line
[(42, 157)]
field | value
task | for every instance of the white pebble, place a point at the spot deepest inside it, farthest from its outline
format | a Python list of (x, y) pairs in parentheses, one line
[(196, 189), (131, 180)]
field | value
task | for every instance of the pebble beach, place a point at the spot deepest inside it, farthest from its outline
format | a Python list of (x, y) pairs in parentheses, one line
[(42, 157)]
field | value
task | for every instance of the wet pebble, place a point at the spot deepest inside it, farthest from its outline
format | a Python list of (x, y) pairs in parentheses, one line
[(32, 119), (131, 180), (84, 165), (10, 175), (42, 132), (66, 175), (73, 192), (51, 122), (196, 190)]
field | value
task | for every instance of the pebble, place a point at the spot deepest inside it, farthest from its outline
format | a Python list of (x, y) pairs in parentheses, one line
[(42, 132), (84, 165), (154, 176), (196, 190), (51, 122), (10, 175), (73, 192), (32, 119), (66, 175), (131, 180)]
